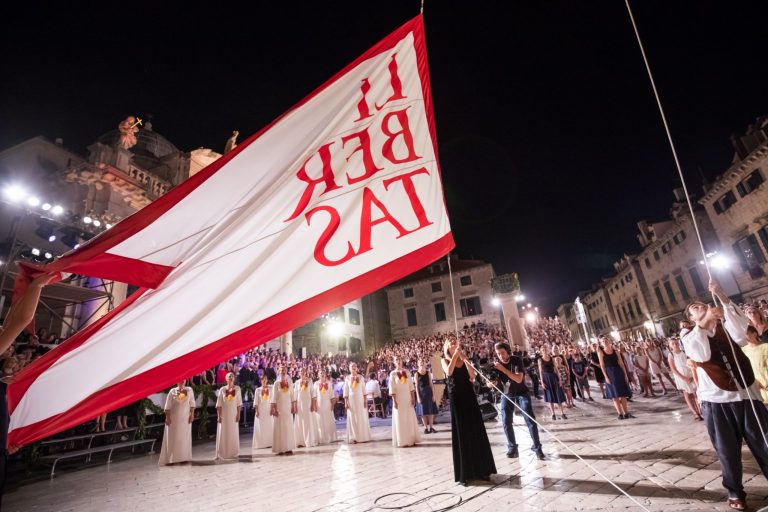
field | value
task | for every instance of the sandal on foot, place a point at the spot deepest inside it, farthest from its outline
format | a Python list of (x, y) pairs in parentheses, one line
[(737, 504)]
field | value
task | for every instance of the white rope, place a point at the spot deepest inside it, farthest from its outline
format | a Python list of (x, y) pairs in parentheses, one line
[(590, 466), (693, 215), (467, 362)]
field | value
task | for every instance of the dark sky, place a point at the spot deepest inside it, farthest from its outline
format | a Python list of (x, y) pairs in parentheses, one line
[(550, 142)]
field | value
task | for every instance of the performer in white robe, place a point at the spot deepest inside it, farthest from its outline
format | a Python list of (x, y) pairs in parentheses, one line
[(405, 426), (358, 428), (262, 420), (283, 406), (305, 422), (228, 405), (179, 413), (326, 400)]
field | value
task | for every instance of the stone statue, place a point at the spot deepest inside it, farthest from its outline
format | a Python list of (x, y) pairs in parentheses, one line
[(231, 142), (129, 127)]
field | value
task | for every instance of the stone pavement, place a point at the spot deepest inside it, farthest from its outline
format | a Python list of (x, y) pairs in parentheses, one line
[(662, 458)]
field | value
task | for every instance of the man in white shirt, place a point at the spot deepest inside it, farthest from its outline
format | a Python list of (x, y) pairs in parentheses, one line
[(724, 392), (373, 391)]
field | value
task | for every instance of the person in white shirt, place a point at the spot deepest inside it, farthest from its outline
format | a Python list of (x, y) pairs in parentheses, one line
[(262, 421), (228, 404), (179, 413), (283, 407), (405, 426), (326, 400), (305, 422), (726, 386), (358, 428), (373, 391)]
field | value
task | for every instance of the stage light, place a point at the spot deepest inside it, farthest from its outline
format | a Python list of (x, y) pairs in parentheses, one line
[(496, 302), (530, 317), (46, 206), (614, 334), (96, 222), (720, 262), (87, 219), (15, 193), (57, 210), (48, 256), (35, 251), (334, 328), (109, 226), (529, 304), (46, 229), (52, 238), (69, 236), (33, 201)]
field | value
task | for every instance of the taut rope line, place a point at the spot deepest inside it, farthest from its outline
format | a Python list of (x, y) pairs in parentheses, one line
[(693, 215)]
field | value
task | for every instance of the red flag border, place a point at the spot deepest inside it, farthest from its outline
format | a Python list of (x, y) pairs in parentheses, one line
[(93, 256)]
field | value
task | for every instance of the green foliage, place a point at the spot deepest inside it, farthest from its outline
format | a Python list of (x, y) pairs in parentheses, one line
[(141, 416), (207, 392)]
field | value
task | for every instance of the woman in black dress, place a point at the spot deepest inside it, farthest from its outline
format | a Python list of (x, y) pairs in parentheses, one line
[(616, 387), (472, 457)]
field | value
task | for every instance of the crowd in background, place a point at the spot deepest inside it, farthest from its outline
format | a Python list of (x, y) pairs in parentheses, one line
[(646, 361)]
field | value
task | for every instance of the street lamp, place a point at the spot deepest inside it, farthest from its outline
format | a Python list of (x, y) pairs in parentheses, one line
[(334, 328), (496, 302)]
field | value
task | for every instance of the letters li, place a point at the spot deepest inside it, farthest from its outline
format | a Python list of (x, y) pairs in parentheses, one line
[(394, 125)]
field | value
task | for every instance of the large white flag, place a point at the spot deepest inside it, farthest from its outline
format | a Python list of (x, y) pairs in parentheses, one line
[(337, 198)]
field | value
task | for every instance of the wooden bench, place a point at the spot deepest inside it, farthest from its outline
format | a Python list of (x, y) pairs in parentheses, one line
[(87, 452)]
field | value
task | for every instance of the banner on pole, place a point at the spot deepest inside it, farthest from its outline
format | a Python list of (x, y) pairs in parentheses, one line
[(338, 197)]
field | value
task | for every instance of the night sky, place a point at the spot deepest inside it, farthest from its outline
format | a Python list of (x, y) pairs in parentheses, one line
[(550, 143)]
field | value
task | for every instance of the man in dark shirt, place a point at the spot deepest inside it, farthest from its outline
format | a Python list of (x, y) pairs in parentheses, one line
[(509, 377)]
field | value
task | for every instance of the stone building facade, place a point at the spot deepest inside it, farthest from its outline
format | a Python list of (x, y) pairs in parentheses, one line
[(567, 316), (671, 263), (420, 304), (628, 295), (600, 312), (737, 204), (649, 290), (341, 331), (61, 199)]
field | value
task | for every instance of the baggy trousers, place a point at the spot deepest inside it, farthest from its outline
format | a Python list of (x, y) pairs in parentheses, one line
[(728, 424)]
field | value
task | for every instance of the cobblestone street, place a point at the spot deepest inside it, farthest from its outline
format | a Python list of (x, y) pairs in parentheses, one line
[(662, 458)]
